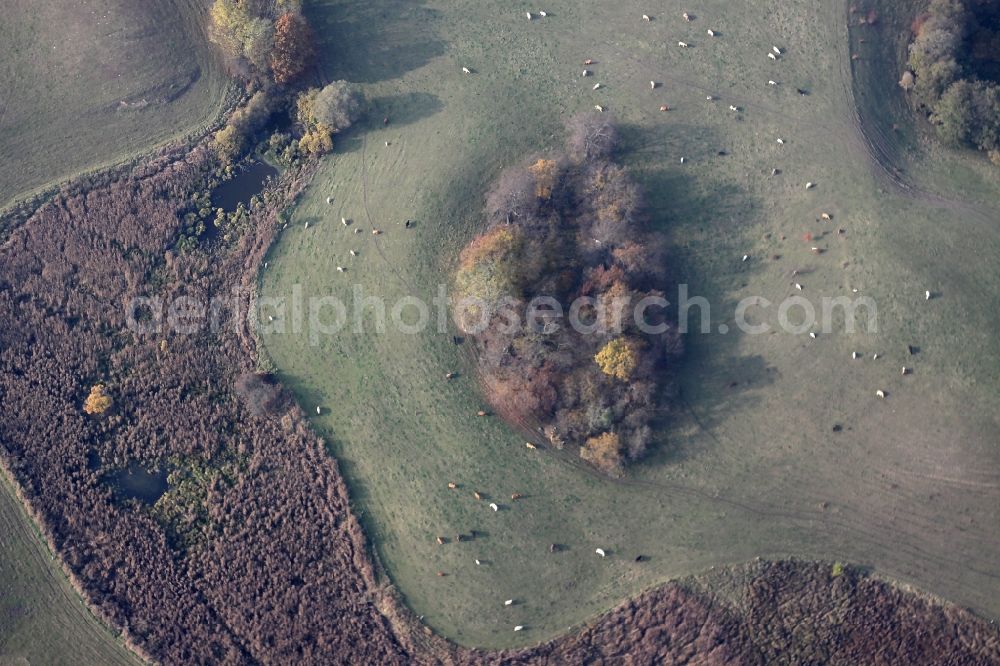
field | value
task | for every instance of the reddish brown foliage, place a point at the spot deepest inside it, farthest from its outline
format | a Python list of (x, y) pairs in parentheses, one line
[(279, 574), (580, 234), (294, 49)]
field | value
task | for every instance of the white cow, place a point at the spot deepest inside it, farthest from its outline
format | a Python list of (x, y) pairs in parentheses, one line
[(683, 45), (494, 506), (646, 18), (600, 551), (596, 86), (529, 15), (810, 185), (772, 56), (466, 70), (652, 85), (710, 32), (508, 602)]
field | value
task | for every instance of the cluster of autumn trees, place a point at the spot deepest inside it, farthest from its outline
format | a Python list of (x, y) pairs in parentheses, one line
[(267, 39), (569, 229), (270, 45), (955, 66)]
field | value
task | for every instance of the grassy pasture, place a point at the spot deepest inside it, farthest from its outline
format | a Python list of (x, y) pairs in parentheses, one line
[(88, 84), (42, 618), (910, 486)]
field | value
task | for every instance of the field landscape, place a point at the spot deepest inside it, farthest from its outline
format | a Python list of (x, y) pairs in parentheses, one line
[(88, 85), (321, 494), (749, 463)]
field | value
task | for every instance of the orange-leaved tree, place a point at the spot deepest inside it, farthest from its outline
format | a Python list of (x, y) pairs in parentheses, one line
[(293, 48), (604, 452)]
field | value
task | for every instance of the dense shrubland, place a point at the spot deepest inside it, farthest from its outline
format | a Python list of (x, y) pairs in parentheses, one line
[(569, 228), (954, 71), (251, 555)]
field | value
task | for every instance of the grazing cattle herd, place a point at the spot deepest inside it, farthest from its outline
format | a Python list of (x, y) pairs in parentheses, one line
[(774, 54)]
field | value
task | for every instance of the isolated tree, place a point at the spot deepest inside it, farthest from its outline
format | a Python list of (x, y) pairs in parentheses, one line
[(98, 401), (294, 48)]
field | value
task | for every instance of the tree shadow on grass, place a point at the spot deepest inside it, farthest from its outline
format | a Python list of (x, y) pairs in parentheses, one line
[(366, 42), (400, 110), (713, 376)]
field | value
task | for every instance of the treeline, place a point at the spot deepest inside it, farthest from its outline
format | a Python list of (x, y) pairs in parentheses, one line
[(954, 61), (570, 228)]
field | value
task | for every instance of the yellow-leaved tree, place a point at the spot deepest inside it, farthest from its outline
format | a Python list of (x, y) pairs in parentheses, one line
[(98, 401), (618, 358), (545, 172), (604, 452)]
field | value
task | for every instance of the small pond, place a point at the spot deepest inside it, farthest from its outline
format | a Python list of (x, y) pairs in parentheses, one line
[(136, 482), (239, 189)]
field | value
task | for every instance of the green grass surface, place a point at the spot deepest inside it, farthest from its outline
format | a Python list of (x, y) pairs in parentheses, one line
[(42, 618), (909, 487), (88, 84)]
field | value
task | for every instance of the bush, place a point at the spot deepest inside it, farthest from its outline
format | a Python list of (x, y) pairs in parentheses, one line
[(338, 105)]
